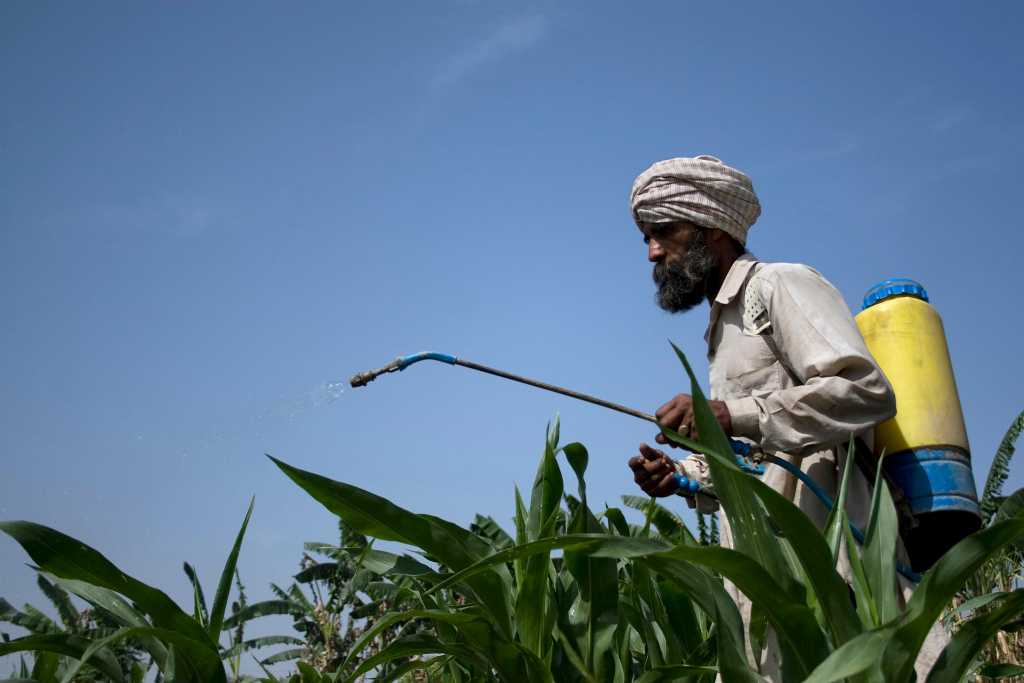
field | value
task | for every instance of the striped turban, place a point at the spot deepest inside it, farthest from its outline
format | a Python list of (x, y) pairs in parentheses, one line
[(701, 190)]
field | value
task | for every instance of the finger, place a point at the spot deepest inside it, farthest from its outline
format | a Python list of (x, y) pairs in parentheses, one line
[(636, 462), (650, 453), (673, 417), (667, 485), (658, 465), (662, 439)]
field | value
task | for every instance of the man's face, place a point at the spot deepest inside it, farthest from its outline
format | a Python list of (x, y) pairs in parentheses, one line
[(683, 263)]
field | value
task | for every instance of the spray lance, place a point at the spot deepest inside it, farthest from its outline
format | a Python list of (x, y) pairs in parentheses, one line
[(747, 459)]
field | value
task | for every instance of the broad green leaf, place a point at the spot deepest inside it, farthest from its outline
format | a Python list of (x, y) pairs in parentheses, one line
[(200, 663), (955, 660), (792, 620), (119, 610), (751, 532), (220, 598), (814, 555), (490, 530), (67, 645), (1012, 506), (66, 557), (45, 668), (451, 545), (257, 643), (598, 545), (855, 656), (262, 609), (707, 591), (939, 586), (879, 552), (386, 564)]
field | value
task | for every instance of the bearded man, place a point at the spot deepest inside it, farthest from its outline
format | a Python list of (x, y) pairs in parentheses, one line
[(790, 373)]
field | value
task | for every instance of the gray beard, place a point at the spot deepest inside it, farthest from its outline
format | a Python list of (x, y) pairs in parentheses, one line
[(682, 284)]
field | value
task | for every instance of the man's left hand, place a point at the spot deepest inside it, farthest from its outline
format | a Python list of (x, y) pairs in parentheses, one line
[(677, 415)]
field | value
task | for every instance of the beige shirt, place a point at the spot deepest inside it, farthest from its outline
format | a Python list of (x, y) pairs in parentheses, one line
[(800, 405), (803, 404)]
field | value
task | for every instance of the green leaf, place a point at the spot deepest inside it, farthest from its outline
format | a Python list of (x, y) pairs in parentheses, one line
[(220, 598), (792, 620), (939, 586), (707, 591), (955, 660), (855, 656), (199, 612), (833, 529), (392, 618), (451, 545), (597, 579), (814, 555), (752, 535), (414, 645), (45, 668), (119, 610), (532, 599), (879, 552), (61, 600), (67, 645), (262, 609), (200, 663), (66, 557)]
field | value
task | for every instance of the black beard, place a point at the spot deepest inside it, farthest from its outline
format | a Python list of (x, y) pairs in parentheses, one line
[(682, 283)]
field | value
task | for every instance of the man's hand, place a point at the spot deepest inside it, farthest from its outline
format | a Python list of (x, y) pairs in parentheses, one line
[(654, 472), (677, 415)]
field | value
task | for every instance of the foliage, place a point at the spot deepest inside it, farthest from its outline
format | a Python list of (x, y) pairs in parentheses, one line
[(989, 589), (570, 595)]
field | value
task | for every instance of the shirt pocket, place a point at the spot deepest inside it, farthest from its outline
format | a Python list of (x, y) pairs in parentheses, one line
[(752, 367)]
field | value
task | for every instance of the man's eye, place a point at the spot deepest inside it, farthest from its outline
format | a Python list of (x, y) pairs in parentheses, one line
[(647, 240)]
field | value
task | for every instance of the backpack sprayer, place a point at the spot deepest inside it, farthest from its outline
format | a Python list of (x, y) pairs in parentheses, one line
[(747, 458)]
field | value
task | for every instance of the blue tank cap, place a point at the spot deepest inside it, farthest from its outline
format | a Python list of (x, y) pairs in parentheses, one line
[(899, 286)]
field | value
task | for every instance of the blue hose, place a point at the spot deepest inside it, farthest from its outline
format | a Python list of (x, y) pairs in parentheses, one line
[(741, 450)]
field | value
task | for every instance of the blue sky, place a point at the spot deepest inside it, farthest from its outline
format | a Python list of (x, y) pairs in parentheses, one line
[(209, 212)]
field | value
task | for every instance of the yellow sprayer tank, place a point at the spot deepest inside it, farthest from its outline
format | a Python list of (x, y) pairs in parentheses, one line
[(925, 444)]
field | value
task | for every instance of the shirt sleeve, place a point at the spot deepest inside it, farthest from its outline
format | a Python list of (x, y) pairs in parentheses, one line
[(842, 390)]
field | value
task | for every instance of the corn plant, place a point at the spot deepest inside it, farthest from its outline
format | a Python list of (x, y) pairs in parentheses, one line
[(182, 647)]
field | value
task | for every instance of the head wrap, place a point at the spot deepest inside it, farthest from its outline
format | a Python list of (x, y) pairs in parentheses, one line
[(701, 190)]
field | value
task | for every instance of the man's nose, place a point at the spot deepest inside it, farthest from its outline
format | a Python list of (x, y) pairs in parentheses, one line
[(655, 252)]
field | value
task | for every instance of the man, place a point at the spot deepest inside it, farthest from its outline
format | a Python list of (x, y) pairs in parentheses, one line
[(789, 370)]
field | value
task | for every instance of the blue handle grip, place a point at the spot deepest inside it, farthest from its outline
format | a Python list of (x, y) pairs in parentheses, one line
[(406, 361)]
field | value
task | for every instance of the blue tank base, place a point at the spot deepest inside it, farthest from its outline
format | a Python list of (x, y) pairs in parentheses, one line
[(935, 534), (939, 485)]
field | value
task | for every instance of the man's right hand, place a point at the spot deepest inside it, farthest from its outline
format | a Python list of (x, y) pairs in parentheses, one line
[(654, 472)]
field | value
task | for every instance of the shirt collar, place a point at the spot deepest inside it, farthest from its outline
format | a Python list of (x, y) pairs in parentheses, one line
[(735, 278), (731, 286)]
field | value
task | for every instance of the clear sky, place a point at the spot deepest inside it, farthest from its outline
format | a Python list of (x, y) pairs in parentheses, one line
[(210, 211)]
